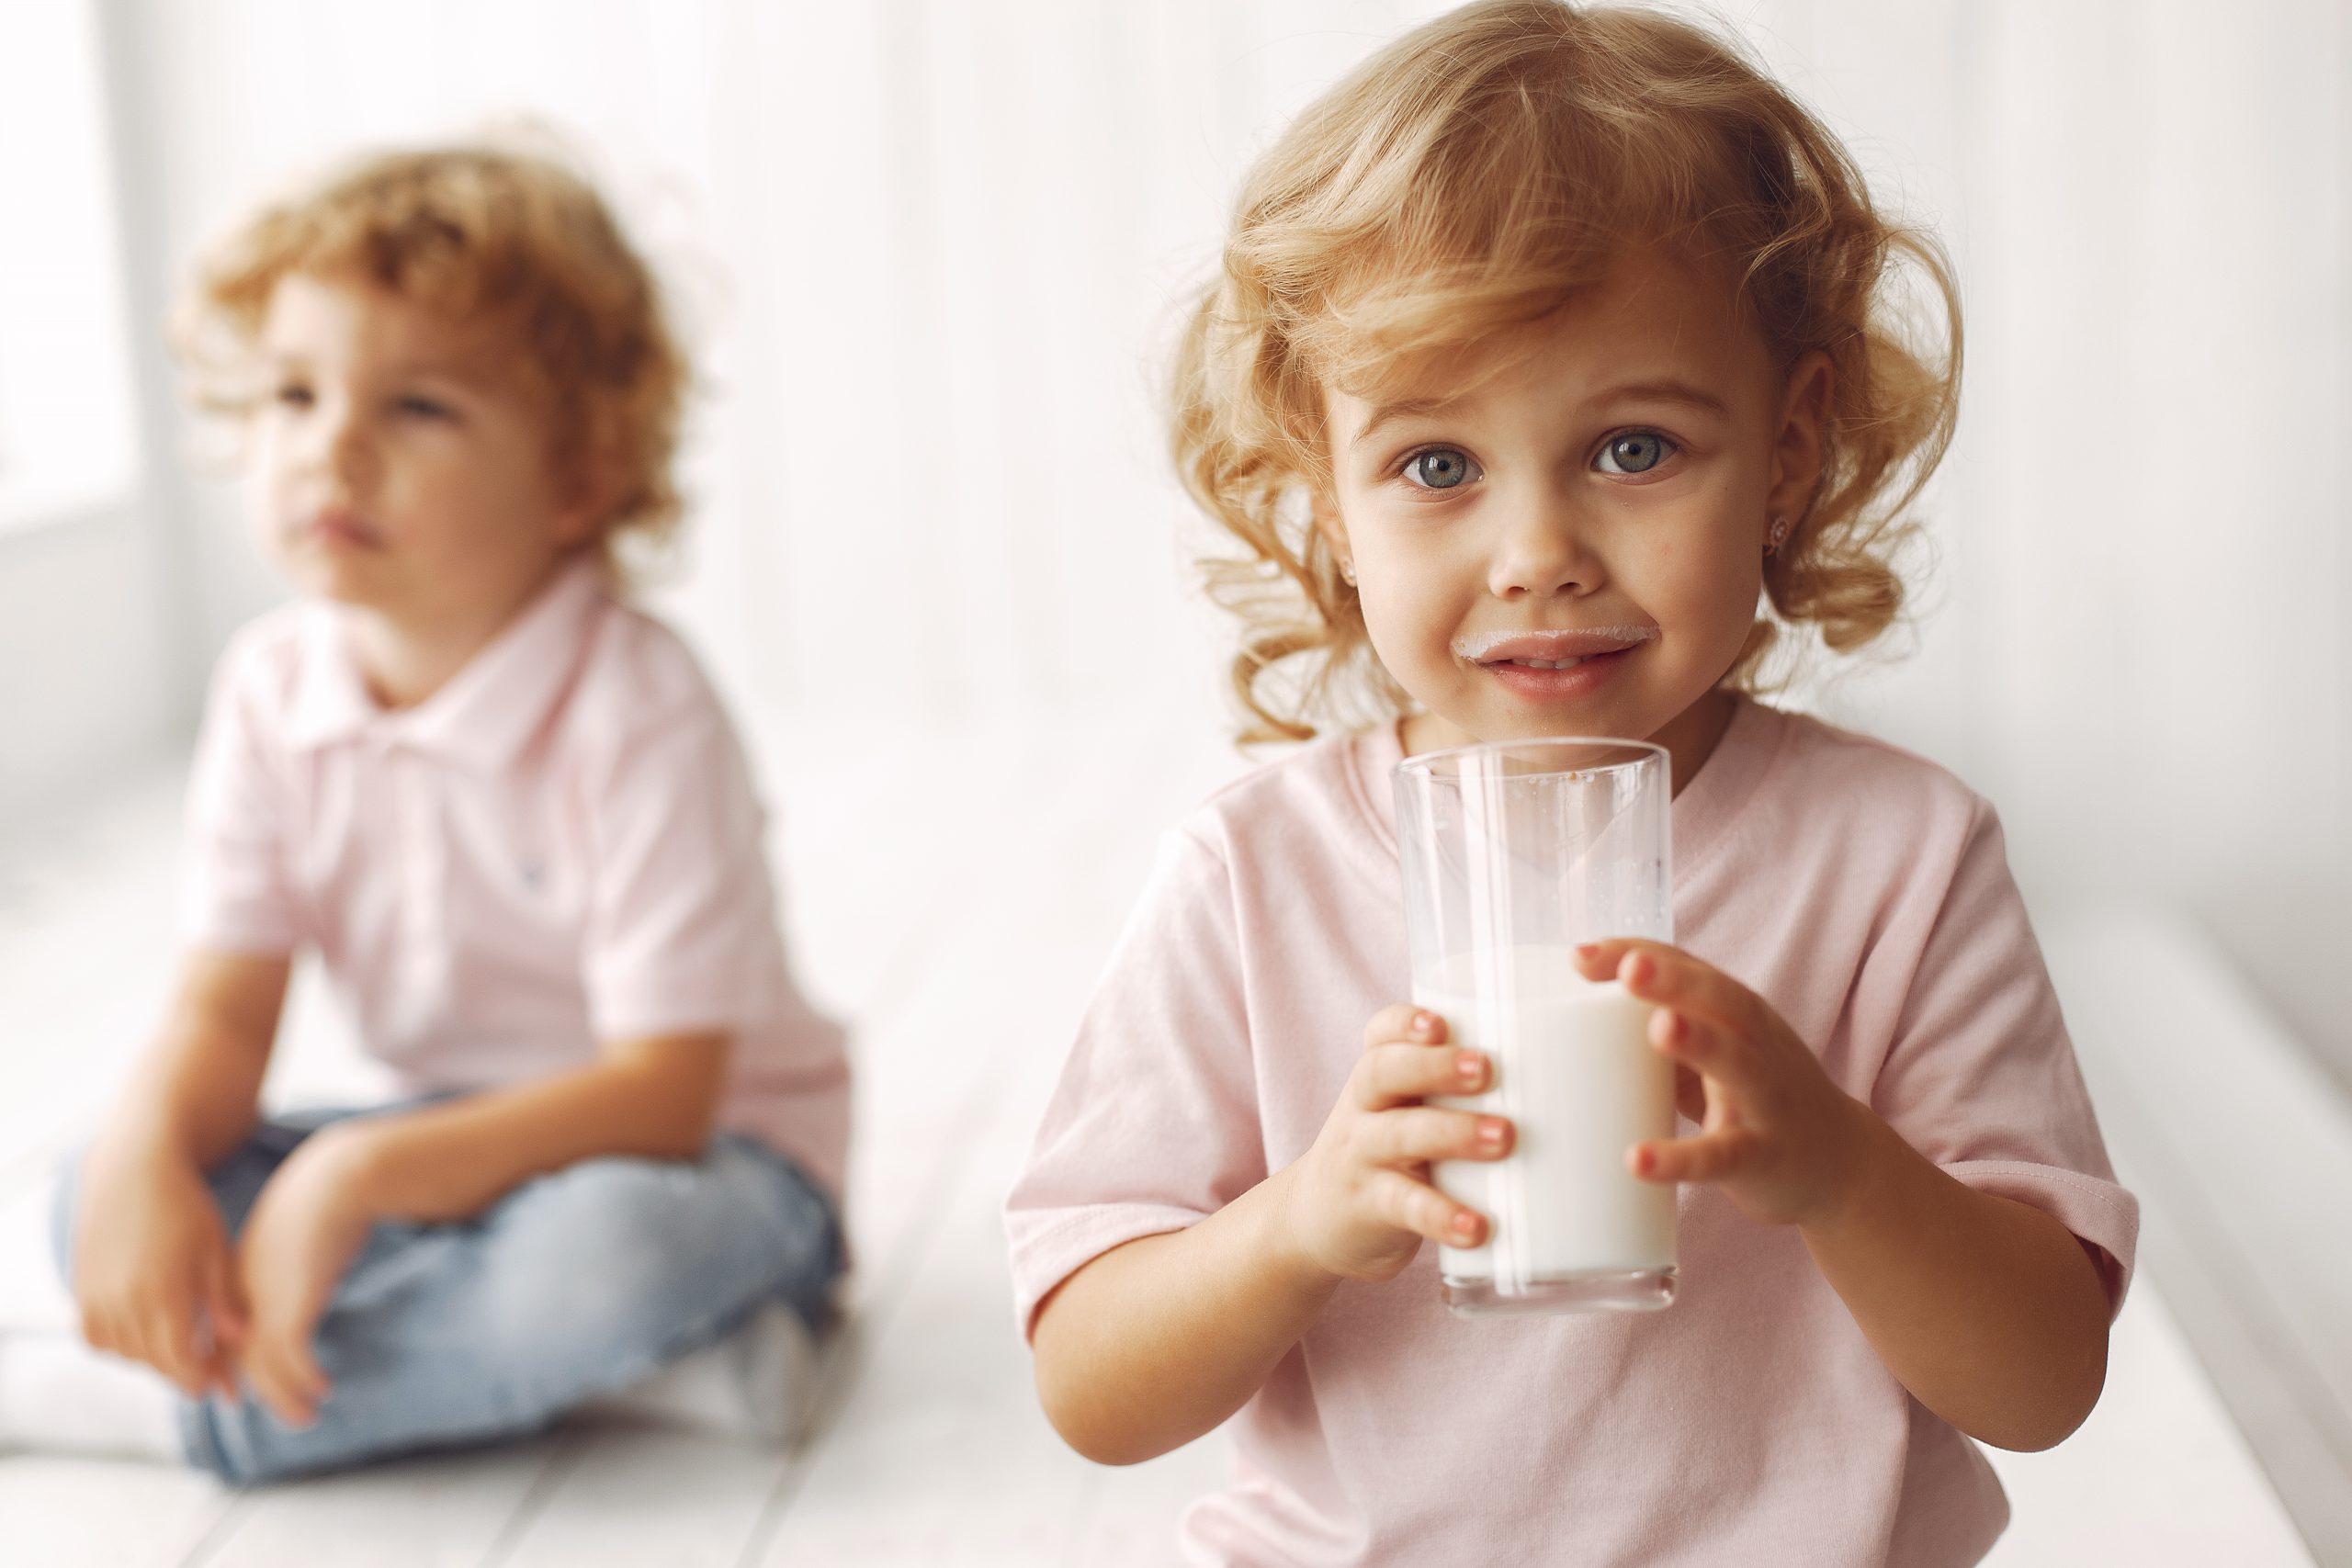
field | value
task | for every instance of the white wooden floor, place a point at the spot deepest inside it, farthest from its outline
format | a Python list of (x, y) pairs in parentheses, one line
[(954, 895)]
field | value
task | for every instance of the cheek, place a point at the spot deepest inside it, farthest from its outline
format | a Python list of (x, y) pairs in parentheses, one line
[(1701, 586)]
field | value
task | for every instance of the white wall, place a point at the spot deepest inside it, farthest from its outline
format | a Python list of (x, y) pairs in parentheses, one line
[(931, 247)]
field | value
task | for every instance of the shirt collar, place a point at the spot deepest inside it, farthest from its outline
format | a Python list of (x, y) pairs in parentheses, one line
[(489, 710)]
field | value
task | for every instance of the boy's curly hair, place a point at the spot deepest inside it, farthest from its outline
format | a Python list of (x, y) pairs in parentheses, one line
[(510, 240), (1466, 179)]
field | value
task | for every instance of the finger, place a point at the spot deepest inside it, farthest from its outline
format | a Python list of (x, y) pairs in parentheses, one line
[(302, 1361), (1403, 1021), (1710, 1156), (1413, 1135), (224, 1300), (172, 1333), (276, 1383), (133, 1332), (1418, 1207), (224, 1314), (1395, 1075), (1690, 1093), (1708, 1049), (98, 1330), (1672, 977)]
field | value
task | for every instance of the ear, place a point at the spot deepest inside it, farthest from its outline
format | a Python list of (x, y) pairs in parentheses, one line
[(586, 498), (1324, 514), (1798, 438)]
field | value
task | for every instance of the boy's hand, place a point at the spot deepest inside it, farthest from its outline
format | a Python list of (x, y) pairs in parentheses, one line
[(1777, 1136), (309, 1223), (151, 1272), (1360, 1201)]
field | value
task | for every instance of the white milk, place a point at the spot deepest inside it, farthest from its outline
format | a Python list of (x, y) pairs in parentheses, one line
[(1576, 1078)]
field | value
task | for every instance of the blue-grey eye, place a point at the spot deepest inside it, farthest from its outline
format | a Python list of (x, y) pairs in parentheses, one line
[(1635, 452), (1439, 467)]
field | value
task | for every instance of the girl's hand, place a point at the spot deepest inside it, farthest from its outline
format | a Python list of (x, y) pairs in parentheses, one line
[(1359, 1203), (309, 1223), (152, 1274), (1779, 1137)]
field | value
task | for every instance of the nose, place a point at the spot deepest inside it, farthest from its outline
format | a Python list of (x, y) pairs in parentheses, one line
[(1544, 549), (337, 444)]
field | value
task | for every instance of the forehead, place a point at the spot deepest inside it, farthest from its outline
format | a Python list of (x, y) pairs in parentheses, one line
[(1650, 316), (332, 320)]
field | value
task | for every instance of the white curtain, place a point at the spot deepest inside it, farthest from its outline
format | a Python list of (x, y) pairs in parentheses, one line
[(931, 249)]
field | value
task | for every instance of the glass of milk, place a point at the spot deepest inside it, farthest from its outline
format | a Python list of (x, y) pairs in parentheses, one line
[(1514, 852)]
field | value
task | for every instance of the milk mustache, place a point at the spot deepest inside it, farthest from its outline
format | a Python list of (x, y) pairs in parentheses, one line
[(1576, 1076)]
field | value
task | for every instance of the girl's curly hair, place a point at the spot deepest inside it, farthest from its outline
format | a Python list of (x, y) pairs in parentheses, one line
[(1466, 179)]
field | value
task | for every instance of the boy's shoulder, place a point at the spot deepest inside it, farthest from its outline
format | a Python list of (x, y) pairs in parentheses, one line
[(261, 664), (639, 680), (639, 660)]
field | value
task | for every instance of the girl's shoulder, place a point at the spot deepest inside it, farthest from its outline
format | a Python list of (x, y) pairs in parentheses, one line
[(1323, 809), (1804, 790), (1814, 759)]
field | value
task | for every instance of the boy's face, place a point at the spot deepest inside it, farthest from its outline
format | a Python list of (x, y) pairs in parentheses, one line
[(1605, 497), (400, 466)]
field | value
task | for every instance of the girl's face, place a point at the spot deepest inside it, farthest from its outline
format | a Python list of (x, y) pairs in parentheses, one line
[(1571, 541), (399, 467)]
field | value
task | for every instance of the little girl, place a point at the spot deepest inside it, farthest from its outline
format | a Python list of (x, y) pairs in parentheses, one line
[(507, 811), (1545, 344)]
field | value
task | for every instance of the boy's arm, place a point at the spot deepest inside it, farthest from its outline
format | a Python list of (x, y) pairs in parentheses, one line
[(151, 1255), (197, 1088), (654, 1098), (1990, 1311)]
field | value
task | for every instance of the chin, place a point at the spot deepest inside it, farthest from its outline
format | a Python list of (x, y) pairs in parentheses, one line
[(337, 582)]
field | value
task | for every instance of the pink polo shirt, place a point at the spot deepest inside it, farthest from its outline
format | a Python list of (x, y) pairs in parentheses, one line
[(1863, 892), (559, 847)]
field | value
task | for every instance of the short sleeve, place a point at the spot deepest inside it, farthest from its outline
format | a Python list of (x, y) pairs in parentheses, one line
[(1154, 1124), (1982, 1078), (237, 894), (679, 896)]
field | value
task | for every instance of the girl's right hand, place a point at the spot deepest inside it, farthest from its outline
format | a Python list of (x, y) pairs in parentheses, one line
[(1360, 1203), (150, 1256)]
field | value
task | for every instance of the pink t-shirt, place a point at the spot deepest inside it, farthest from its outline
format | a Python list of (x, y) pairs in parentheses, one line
[(559, 847), (1864, 892)]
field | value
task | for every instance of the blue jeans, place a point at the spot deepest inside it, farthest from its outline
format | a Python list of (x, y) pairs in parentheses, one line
[(573, 1285)]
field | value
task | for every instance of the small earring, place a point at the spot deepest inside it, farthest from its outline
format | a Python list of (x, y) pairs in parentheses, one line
[(1348, 570), (1779, 535)]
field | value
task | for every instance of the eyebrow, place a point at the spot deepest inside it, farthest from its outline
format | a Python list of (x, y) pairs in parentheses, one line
[(1668, 391), (462, 372)]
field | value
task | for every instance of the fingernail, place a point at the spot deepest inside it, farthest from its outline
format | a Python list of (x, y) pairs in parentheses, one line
[(1670, 1028), (1492, 1132), (1587, 949), (1465, 1225), (1425, 1023), (1471, 1065)]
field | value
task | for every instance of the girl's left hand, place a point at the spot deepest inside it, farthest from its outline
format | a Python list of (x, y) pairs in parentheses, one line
[(305, 1228), (1779, 1138)]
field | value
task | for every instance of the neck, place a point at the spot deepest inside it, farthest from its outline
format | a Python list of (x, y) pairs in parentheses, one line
[(405, 658), (1692, 736)]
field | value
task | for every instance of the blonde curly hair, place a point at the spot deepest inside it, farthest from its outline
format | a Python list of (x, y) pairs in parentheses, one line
[(508, 239), (1466, 179)]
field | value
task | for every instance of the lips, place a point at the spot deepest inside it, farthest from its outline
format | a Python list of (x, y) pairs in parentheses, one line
[(1553, 666), (1553, 650), (338, 529)]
